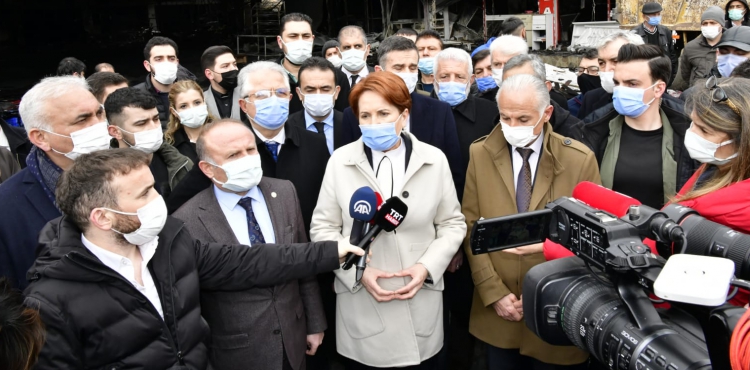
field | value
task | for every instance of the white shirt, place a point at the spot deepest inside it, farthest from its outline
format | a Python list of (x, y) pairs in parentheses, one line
[(237, 216), (4, 140), (124, 267), (397, 159), (280, 138), (362, 74), (536, 146)]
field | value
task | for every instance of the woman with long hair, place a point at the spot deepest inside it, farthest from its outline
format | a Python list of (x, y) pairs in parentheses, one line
[(188, 114)]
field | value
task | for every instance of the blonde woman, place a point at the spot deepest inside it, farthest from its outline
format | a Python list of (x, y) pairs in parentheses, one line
[(188, 114)]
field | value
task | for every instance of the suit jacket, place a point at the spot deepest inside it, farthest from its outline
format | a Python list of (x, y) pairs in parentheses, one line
[(8, 165), (432, 123), (302, 161), (251, 329), (295, 105), (490, 192), (396, 333), (25, 210), (298, 119), (213, 109), (475, 118), (18, 141)]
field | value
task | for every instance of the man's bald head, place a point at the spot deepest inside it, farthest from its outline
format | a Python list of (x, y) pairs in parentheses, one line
[(218, 134)]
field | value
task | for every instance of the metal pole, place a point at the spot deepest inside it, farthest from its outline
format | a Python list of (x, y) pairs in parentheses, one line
[(484, 19), (609, 10)]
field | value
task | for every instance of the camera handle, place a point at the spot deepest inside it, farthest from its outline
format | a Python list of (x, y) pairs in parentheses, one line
[(639, 305)]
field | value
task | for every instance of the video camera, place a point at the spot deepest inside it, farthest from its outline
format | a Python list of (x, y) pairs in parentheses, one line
[(610, 315)]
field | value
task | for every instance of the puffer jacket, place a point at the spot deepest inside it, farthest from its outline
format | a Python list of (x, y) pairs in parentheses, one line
[(96, 319)]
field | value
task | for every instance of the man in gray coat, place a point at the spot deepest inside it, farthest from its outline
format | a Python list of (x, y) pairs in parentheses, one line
[(699, 56), (263, 328), (220, 68)]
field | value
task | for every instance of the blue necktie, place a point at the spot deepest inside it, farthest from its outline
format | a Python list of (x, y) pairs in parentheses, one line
[(253, 229), (273, 147)]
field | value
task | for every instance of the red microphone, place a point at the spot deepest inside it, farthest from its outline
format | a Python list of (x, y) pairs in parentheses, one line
[(598, 197)]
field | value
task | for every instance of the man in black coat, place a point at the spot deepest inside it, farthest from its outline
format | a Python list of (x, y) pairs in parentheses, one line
[(162, 64), (654, 33), (117, 248), (18, 142)]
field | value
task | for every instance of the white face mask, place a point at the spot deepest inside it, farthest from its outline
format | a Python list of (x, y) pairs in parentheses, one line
[(703, 150), (711, 32), (242, 174), (608, 81), (335, 60), (520, 136), (194, 117), (318, 105), (298, 51), (497, 75), (152, 216), (147, 141), (87, 140), (165, 72), (410, 79), (353, 59)]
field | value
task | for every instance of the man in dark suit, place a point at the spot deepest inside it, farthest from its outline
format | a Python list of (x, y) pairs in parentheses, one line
[(433, 121), (298, 155), (295, 39), (16, 141), (354, 52), (318, 91), (261, 328), (63, 120)]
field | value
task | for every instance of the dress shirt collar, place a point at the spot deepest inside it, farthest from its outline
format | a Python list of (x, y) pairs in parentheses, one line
[(309, 120), (279, 138), (362, 74), (114, 260), (536, 146), (229, 200)]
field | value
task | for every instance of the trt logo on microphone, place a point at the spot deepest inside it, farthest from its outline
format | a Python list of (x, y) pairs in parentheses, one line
[(362, 207), (394, 217)]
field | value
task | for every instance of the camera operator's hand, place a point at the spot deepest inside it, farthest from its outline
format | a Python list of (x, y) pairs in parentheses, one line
[(529, 249), (370, 282), (505, 308)]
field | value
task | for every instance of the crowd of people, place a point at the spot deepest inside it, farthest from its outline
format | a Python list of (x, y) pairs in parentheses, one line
[(161, 226)]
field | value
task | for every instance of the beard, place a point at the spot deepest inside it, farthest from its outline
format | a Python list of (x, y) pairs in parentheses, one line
[(125, 225)]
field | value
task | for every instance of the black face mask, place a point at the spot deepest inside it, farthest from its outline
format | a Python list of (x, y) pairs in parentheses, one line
[(229, 80), (587, 82)]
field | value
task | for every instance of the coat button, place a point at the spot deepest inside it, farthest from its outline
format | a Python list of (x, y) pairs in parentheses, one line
[(277, 331), (405, 194), (567, 142)]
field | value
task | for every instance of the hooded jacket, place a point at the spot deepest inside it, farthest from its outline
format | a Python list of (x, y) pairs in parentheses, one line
[(745, 21), (595, 133), (95, 319)]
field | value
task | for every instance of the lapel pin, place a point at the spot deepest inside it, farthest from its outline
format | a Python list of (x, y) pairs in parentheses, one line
[(273, 194)]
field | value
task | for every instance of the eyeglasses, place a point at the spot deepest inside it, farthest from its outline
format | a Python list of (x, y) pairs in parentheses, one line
[(718, 94), (282, 93), (593, 70)]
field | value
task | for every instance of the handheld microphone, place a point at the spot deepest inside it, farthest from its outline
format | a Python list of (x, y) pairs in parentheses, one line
[(362, 208), (599, 197), (387, 218)]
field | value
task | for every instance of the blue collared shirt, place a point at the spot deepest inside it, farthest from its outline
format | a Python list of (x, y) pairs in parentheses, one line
[(327, 129), (237, 217)]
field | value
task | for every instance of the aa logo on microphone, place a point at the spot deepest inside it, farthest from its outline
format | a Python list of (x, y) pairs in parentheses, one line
[(362, 207)]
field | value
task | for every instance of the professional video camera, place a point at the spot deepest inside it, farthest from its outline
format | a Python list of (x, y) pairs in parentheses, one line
[(600, 301)]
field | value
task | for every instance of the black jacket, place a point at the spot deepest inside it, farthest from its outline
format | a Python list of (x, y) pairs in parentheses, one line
[(18, 141), (95, 319), (562, 121), (162, 103), (302, 160), (298, 119), (475, 118), (666, 43), (592, 101), (184, 146), (594, 134), (745, 21)]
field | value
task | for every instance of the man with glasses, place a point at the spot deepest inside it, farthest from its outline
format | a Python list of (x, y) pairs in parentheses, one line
[(641, 152), (588, 78)]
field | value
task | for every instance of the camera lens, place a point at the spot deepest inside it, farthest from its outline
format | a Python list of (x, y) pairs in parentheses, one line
[(707, 238)]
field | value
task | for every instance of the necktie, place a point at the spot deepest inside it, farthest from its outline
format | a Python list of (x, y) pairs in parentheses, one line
[(320, 126), (273, 147), (523, 187), (354, 79), (253, 229), (384, 174)]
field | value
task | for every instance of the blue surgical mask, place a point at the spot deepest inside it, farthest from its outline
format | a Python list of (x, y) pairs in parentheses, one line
[(486, 83), (426, 65), (380, 137), (453, 93), (654, 21), (628, 101), (271, 113), (728, 62), (736, 14)]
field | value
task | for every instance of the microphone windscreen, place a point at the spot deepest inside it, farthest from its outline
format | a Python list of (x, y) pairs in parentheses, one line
[(391, 214), (363, 204), (605, 199)]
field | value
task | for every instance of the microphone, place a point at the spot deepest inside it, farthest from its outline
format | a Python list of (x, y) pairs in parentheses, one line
[(387, 218), (599, 197), (362, 208)]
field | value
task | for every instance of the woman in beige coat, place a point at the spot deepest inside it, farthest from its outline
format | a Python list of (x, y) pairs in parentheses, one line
[(397, 319)]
